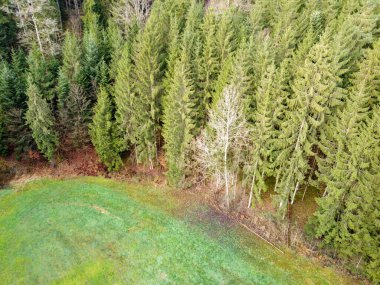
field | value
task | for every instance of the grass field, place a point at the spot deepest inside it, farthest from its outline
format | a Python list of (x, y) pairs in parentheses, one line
[(98, 231)]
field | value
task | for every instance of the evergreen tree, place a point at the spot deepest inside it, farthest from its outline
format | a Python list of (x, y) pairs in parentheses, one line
[(191, 49), (19, 134), (208, 70), (262, 15), (3, 145), (68, 77), (13, 102), (43, 73), (148, 75), (41, 121), (347, 214), (115, 43), (124, 97), (178, 123), (258, 165), (8, 33), (95, 50), (314, 86), (102, 131), (225, 37)]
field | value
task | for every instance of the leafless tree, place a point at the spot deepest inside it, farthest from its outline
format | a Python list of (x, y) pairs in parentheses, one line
[(221, 145), (38, 22), (125, 11)]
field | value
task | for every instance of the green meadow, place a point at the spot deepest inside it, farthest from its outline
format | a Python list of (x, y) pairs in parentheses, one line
[(99, 231)]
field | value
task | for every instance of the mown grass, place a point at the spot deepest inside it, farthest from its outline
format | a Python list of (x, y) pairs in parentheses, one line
[(98, 231)]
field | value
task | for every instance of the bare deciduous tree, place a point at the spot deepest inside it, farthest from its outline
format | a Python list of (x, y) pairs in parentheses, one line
[(38, 22), (126, 11), (221, 145)]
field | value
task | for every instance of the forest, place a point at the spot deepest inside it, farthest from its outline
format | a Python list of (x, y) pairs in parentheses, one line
[(232, 93)]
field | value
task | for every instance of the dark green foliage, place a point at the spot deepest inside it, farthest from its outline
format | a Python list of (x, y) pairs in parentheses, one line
[(314, 87), (13, 99), (148, 87), (41, 121), (103, 132), (73, 105), (43, 72), (124, 96), (349, 170), (178, 122), (258, 166), (95, 51), (8, 33)]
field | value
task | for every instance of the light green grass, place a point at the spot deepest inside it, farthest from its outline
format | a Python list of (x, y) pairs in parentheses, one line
[(98, 231)]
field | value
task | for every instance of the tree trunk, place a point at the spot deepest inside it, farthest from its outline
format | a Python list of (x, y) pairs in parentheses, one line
[(288, 235), (226, 175), (252, 185), (60, 15), (35, 26), (295, 192)]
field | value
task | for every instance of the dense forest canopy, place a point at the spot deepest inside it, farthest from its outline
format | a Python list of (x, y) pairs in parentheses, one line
[(233, 93)]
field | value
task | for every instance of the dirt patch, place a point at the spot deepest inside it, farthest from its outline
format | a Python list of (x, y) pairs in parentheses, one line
[(101, 210)]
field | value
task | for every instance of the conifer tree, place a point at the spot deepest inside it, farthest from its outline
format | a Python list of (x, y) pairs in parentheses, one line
[(124, 97), (347, 120), (314, 86), (262, 15), (191, 48), (3, 145), (41, 121), (178, 123), (68, 75), (103, 132), (258, 166), (13, 102), (43, 73), (225, 37), (174, 51), (94, 51), (347, 215), (148, 75), (19, 135), (115, 43), (208, 71), (289, 29)]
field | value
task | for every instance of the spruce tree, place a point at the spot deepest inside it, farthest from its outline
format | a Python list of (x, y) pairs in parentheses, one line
[(225, 37), (262, 15), (68, 81), (314, 88), (208, 70), (115, 43), (3, 143), (19, 134), (178, 123), (124, 97), (148, 75), (41, 121), (43, 72), (13, 102), (95, 50), (258, 165), (103, 132), (348, 169), (347, 214)]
